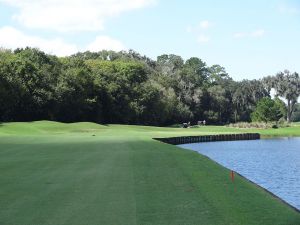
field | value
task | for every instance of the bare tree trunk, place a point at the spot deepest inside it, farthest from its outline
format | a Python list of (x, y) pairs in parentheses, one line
[(235, 116), (288, 117), (289, 111)]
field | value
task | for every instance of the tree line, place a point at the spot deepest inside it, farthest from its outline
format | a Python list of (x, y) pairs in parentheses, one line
[(128, 88)]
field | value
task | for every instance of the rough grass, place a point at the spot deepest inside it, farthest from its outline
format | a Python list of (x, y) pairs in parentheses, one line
[(84, 173)]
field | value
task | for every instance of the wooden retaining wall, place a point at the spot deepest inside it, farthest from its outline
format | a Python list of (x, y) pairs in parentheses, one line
[(209, 138)]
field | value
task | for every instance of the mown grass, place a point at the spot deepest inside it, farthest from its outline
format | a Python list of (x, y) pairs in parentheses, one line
[(84, 173)]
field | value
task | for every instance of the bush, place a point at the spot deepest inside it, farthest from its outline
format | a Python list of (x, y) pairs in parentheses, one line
[(268, 110), (260, 125)]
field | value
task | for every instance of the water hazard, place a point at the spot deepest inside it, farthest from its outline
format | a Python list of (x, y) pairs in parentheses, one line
[(271, 163)]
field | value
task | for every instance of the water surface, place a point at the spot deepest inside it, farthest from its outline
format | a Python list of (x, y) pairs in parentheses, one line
[(271, 163)]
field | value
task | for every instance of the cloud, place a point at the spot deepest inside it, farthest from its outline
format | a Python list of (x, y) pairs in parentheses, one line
[(105, 43), (288, 9), (258, 33), (12, 38), (71, 15), (189, 29), (254, 34), (202, 38), (205, 24), (200, 31), (240, 35)]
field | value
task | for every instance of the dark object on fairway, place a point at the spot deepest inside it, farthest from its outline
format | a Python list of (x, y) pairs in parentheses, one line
[(201, 122), (94, 135), (186, 125)]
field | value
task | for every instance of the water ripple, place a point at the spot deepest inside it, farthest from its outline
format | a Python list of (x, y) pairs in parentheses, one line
[(272, 163)]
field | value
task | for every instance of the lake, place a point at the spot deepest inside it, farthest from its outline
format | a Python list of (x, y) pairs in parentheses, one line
[(271, 163)]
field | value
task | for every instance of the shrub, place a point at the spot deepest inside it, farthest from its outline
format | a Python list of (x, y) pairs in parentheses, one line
[(268, 110)]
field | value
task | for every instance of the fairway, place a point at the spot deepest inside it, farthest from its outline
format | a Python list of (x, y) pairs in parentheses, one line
[(90, 174)]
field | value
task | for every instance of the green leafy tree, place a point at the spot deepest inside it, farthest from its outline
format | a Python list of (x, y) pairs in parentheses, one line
[(245, 97), (286, 85), (280, 108), (32, 76), (75, 91), (296, 114), (10, 87), (268, 110), (125, 87), (217, 74), (218, 103), (119, 88)]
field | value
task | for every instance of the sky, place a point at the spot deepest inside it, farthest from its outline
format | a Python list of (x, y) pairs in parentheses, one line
[(250, 38)]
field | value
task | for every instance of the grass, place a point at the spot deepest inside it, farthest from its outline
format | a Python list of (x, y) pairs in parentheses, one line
[(84, 173)]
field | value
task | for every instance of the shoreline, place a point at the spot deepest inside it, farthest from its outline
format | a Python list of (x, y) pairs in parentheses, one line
[(242, 176)]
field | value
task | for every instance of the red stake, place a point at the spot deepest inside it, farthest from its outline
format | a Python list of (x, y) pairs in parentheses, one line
[(232, 176)]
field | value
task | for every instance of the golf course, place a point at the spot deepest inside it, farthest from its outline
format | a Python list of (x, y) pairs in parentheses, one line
[(89, 174)]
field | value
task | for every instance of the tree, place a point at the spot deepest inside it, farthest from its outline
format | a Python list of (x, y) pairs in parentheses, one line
[(280, 108), (218, 103), (30, 76), (245, 97), (286, 85), (217, 74), (74, 93), (268, 110), (119, 88), (296, 114), (10, 88), (169, 65), (123, 87)]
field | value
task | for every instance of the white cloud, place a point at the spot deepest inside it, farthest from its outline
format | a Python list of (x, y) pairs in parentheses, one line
[(189, 29), (71, 15), (239, 35), (202, 38), (105, 43), (205, 24), (12, 38), (288, 9), (258, 33), (254, 34), (201, 31)]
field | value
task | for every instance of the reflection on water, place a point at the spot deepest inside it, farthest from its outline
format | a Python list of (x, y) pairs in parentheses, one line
[(272, 163)]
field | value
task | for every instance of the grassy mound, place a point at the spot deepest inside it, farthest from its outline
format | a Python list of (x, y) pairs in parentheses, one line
[(48, 127)]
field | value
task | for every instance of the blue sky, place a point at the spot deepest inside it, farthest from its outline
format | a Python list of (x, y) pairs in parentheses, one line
[(250, 39)]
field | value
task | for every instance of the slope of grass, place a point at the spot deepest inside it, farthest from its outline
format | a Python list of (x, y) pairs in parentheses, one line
[(84, 173), (47, 127), (292, 131)]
